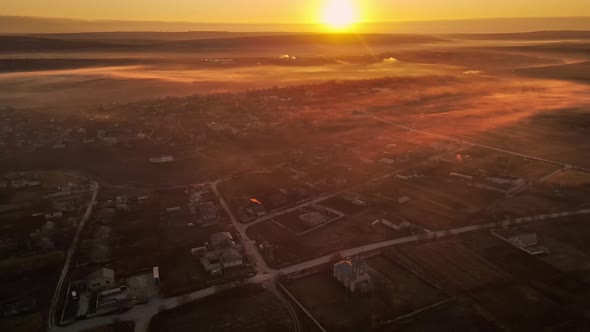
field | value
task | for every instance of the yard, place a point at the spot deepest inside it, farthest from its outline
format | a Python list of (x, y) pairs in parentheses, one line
[(571, 178), (348, 232), (498, 163), (450, 264), (245, 309), (521, 308), (396, 292), (433, 202)]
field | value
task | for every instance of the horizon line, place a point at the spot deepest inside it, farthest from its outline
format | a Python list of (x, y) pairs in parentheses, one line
[(106, 20)]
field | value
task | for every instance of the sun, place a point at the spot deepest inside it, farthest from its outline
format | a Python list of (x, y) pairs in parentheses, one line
[(340, 14)]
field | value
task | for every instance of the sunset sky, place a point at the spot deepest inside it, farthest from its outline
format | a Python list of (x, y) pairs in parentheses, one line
[(300, 11)]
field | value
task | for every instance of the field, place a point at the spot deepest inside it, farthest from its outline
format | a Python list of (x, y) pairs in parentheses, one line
[(576, 72), (294, 224), (521, 308), (338, 310), (541, 200), (456, 316), (451, 264), (410, 290), (245, 309), (565, 239), (556, 134), (535, 280), (498, 163), (36, 263), (573, 231), (571, 178), (435, 203), (272, 191), (564, 257), (29, 322), (353, 230)]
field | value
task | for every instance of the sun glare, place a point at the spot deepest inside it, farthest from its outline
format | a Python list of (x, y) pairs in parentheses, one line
[(340, 14)]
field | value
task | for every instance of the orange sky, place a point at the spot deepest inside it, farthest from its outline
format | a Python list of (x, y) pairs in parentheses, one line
[(283, 11)]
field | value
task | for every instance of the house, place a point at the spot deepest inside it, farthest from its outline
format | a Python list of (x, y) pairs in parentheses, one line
[(222, 240), (406, 175), (101, 280), (24, 183), (507, 180), (222, 253), (231, 258), (352, 273), (208, 212), (387, 161), (161, 159), (211, 263), (399, 224), (64, 205), (404, 199), (174, 210), (122, 202), (109, 140), (156, 274), (216, 261), (527, 242), (461, 176), (54, 215), (256, 210), (359, 202)]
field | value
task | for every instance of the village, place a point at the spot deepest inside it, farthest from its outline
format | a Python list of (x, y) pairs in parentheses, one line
[(324, 227)]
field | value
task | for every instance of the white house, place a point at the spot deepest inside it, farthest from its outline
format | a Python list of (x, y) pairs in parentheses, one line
[(353, 275), (101, 280)]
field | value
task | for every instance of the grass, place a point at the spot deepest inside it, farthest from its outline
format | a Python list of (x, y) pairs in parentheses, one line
[(10, 268)]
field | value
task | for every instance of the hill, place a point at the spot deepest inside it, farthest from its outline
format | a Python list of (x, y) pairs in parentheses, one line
[(19, 43)]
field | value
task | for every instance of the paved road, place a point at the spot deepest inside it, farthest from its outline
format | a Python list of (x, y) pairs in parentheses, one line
[(71, 252), (249, 246), (272, 287), (425, 236)]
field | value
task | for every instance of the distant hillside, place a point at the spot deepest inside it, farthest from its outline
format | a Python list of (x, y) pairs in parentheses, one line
[(295, 41), (573, 72), (139, 37), (579, 48), (17, 43), (537, 35)]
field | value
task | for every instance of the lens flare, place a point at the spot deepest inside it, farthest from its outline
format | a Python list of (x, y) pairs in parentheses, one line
[(340, 14)]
